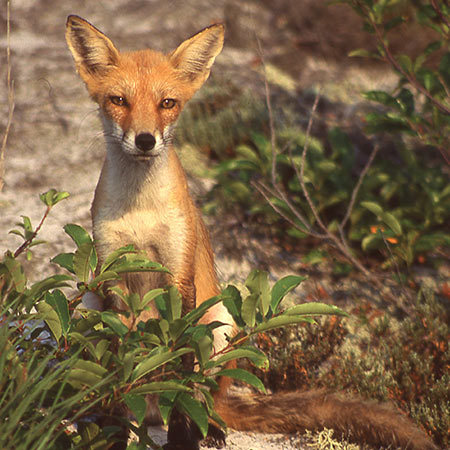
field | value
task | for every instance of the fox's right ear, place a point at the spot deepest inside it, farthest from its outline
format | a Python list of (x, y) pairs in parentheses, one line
[(93, 52)]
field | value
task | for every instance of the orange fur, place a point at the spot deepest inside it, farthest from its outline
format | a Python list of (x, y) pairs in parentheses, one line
[(142, 198)]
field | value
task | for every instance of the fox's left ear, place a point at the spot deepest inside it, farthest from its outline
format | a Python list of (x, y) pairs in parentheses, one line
[(195, 56), (93, 52)]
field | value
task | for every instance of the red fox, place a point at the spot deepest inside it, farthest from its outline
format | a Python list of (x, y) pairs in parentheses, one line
[(142, 198)]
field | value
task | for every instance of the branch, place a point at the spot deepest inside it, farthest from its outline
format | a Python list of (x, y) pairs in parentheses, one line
[(412, 80), (27, 243), (438, 11), (10, 85), (358, 186)]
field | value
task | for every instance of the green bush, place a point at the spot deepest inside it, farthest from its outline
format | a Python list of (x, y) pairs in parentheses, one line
[(380, 356), (402, 202), (68, 378)]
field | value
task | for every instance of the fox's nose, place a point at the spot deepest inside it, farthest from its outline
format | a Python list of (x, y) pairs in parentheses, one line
[(145, 141)]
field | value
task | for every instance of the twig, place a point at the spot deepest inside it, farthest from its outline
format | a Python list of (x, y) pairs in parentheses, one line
[(27, 243), (340, 244), (269, 110), (358, 186), (413, 81), (301, 173), (10, 85), (262, 188), (438, 11)]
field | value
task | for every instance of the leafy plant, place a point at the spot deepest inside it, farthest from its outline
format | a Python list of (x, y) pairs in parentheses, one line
[(394, 200), (399, 360), (420, 104), (89, 368)]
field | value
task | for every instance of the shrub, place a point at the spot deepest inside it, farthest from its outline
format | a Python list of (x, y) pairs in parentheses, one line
[(379, 356), (394, 202), (70, 378)]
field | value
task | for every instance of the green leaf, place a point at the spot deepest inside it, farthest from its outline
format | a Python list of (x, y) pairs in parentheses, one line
[(243, 375), (373, 207), (197, 313), (405, 99), (233, 303), (394, 22), (16, 272), (258, 358), (109, 275), (137, 405), (361, 52), (203, 348), (174, 303), (342, 147), (91, 435), (82, 261), (235, 164), (391, 221), (249, 309), (248, 153), (136, 263), (101, 348), (79, 378), (444, 68), (387, 123), (160, 386), (153, 362), (90, 366), (112, 320), (314, 309), (381, 97), (282, 287), (50, 318), (314, 257), (257, 283), (116, 257), (58, 301), (195, 410), (41, 287), (128, 364), (64, 260), (371, 242), (151, 295), (78, 234), (52, 197), (176, 328), (405, 62), (84, 341), (280, 321)]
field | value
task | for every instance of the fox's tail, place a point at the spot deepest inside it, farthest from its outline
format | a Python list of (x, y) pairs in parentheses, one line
[(373, 423)]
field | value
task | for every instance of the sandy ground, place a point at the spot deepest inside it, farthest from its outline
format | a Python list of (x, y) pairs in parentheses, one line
[(55, 141)]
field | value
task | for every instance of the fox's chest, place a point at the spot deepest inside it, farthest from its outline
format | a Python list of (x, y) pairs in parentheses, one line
[(161, 234)]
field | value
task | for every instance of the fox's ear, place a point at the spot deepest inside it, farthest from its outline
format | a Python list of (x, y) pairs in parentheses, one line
[(195, 56), (92, 51)]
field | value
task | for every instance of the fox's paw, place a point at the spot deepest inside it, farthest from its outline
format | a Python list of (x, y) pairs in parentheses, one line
[(215, 437)]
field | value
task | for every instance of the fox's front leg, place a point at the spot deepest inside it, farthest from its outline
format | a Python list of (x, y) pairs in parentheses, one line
[(186, 288)]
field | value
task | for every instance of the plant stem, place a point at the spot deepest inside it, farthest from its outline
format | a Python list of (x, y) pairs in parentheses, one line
[(10, 85), (27, 243)]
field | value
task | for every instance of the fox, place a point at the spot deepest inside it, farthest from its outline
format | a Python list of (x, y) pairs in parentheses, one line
[(142, 198)]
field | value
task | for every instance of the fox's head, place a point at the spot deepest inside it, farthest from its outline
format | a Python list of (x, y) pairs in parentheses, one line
[(141, 93)]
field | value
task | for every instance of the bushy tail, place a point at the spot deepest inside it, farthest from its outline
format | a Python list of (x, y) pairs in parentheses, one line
[(372, 423)]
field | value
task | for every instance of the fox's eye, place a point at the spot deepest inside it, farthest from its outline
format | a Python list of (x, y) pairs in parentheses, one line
[(168, 103), (117, 100)]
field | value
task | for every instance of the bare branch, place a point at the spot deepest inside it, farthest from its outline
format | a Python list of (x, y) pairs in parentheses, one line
[(300, 173), (358, 186), (412, 80), (10, 85), (269, 110)]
